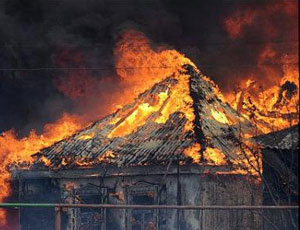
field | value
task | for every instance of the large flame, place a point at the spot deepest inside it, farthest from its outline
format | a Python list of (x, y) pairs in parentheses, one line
[(139, 66), (14, 150), (138, 117), (269, 96), (142, 66), (274, 108)]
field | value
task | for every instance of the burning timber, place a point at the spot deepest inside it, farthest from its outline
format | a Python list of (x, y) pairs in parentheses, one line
[(197, 151)]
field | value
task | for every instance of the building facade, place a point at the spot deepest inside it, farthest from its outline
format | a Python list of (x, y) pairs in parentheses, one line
[(153, 185), (178, 143)]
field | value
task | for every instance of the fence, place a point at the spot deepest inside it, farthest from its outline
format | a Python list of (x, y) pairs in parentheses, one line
[(59, 208)]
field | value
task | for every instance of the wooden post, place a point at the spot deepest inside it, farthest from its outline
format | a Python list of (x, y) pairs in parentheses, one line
[(58, 218)]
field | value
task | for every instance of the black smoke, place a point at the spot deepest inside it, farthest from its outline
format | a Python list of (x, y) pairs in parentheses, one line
[(34, 33)]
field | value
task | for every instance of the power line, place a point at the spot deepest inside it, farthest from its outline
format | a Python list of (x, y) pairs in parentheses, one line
[(139, 67), (292, 42), (85, 68)]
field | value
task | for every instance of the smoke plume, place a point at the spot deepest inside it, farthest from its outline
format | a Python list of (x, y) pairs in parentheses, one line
[(229, 41)]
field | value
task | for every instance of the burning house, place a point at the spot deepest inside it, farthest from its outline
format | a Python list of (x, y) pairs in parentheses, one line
[(164, 133), (178, 143)]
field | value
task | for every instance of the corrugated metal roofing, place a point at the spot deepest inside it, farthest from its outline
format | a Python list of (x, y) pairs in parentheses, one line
[(283, 139), (154, 143)]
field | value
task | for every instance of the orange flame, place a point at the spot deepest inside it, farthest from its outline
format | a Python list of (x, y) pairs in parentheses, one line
[(86, 136), (137, 62), (45, 161), (193, 152), (138, 117), (214, 156), (270, 102), (141, 66), (219, 116), (274, 107), (119, 195), (14, 150), (107, 155)]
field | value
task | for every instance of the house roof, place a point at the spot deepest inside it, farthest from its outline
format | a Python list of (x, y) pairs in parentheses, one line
[(153, 142), (284, 139)]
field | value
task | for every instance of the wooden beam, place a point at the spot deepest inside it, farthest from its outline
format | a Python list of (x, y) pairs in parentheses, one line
[(58, 207), (58, 211)]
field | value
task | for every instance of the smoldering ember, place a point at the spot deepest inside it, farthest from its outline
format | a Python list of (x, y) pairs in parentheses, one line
[(149, 115)]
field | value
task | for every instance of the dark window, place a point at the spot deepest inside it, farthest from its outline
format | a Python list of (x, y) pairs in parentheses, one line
[(90, 218), (142, 219)]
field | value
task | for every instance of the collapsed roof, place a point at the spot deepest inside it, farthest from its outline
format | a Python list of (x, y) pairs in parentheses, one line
[(215, 136)]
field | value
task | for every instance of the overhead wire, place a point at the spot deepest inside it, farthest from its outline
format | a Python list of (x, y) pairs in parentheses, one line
[(140, 67), (292, 42)]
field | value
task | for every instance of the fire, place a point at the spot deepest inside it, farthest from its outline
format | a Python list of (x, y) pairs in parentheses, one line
[(45, 161), (86, 136), (108, 154), (140, 66), (64, 162), (14, 150), (138, 117), (272, 109), (193, 152), (269, 95), (250, 161), (137, 62), (118, 195), (219, 116), (85, 162), (179, 101), (214, 156)]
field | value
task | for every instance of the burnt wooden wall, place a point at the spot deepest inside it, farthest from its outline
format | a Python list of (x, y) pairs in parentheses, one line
[(195, 188)]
